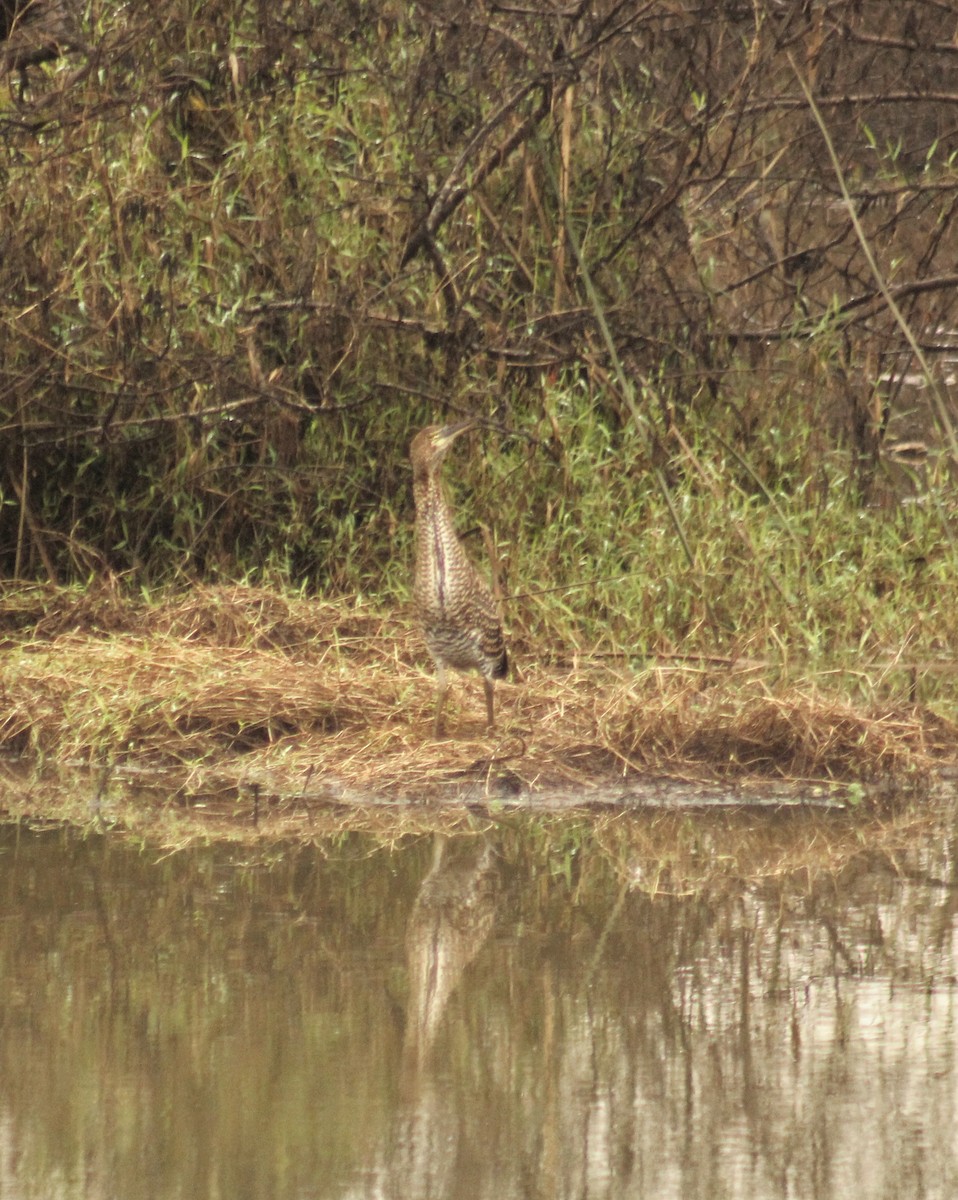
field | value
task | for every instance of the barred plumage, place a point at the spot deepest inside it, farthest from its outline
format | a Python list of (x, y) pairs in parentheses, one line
[(457, 610)]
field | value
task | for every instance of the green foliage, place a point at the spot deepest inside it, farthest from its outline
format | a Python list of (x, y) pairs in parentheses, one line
[(793, 569)]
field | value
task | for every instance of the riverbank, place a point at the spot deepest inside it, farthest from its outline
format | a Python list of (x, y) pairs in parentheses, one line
[(287, 697)]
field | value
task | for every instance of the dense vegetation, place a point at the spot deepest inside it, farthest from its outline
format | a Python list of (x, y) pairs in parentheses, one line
[(694, 265)]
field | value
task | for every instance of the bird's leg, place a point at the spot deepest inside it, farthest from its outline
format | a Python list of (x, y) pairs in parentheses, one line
[(442, 686), (490, 701)]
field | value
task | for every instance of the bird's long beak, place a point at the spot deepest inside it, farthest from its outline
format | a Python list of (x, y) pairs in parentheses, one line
[(449, 433)]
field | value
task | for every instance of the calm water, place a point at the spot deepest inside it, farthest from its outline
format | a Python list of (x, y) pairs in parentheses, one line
[(478, 1016)]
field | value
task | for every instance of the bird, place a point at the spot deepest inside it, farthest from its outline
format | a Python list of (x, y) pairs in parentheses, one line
[(455, 606)]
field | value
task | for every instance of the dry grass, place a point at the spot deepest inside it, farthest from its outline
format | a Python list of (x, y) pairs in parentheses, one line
[(738, 726), (333, 701)]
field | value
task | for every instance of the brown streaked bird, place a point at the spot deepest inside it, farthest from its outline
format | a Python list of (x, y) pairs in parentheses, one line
[(455, 607)]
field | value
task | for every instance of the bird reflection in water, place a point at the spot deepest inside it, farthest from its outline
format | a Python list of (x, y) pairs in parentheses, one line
[(450, 921)]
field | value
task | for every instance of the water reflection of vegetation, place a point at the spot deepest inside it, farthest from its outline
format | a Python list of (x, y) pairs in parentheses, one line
[(423, 1018)]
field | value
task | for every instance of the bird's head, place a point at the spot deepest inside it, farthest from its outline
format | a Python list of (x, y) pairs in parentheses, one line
[(428, 448)]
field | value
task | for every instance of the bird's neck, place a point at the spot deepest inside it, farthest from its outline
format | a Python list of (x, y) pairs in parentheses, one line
[(435, 528)]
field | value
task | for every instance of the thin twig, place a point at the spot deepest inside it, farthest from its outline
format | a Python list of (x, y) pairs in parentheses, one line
[(939, 408)]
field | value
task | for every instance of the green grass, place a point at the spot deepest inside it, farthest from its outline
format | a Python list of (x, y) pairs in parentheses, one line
[(798, 574)]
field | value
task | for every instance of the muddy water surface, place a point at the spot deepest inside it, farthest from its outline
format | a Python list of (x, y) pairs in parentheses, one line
[(470, 1016)]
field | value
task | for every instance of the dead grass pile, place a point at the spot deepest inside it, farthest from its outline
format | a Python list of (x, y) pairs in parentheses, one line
[(162, 696), (41, 611), (233, 615), (274, 690), (740, 727), (304, 627)]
